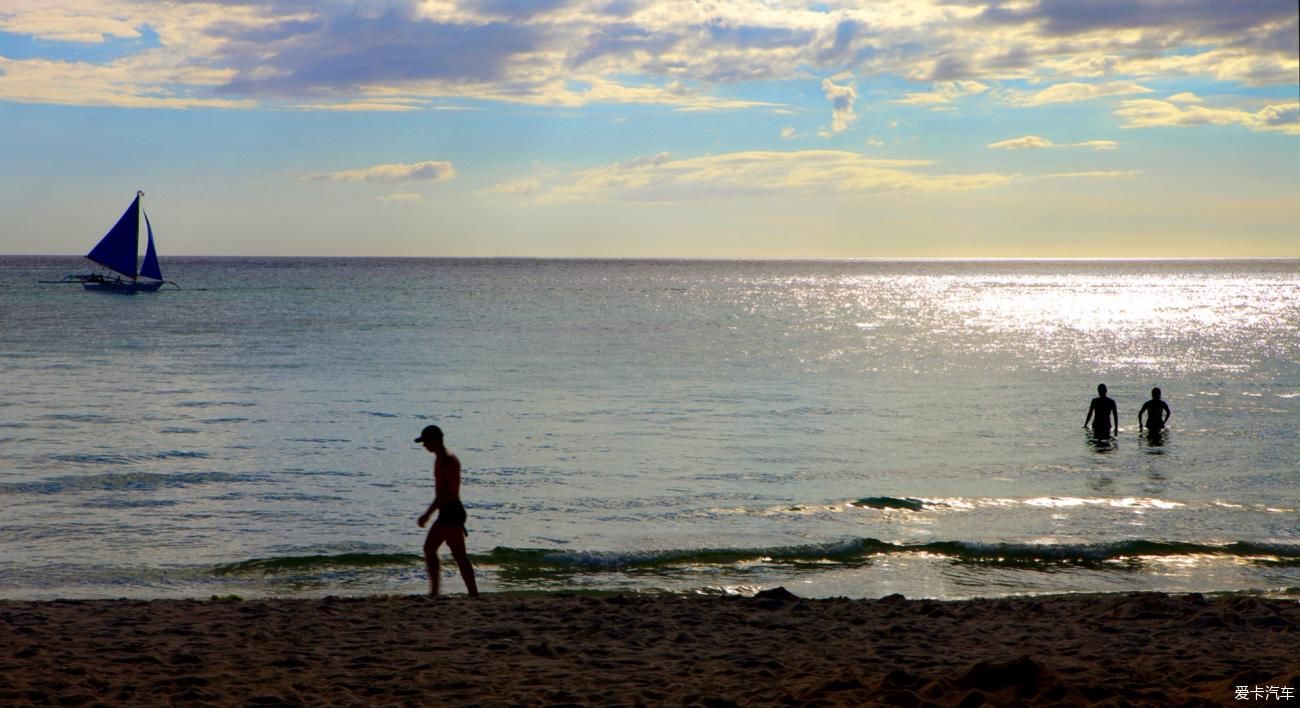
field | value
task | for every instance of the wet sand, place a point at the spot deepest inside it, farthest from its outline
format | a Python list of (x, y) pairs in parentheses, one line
[(1146, 649)]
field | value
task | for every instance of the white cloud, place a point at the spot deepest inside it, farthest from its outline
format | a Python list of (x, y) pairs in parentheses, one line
[(1075, 91), (1026, 142), (66, 22), (1034, 142), (842, 99), (1252, 68), (519, 187), (1150, 113), (943, 94), (922, 99), (1098, 174), (402, 197), (360, 106), (577, 92), (132, 83), (663, 179), (430, 170)]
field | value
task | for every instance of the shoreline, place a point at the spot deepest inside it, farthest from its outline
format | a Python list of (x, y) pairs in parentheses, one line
[(1140, 649)]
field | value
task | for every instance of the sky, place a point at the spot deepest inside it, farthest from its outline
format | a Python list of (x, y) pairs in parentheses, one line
[(635, 128)]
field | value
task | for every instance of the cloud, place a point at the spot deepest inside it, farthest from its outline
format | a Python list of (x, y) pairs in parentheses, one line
[(431, 170), (842, 99), (1150, 113), (519, 187), (1034, 142), (1150, 59), (943, 94), (515, 9), (675, 94), (346, 47), (1196, 18), (664, 179), (402, 197), (128, 83), (1285, 118), (1028, 141), (922, 99), (1099, 174), (410, 54), (60, 22), (1075, 91), (398, 106), (1095, 144), (556, 53)]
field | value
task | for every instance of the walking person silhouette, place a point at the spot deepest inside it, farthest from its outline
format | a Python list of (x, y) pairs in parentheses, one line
[(449, 527)]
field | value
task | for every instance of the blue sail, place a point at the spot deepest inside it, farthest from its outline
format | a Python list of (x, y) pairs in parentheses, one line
[(150, 268), (117, 250)]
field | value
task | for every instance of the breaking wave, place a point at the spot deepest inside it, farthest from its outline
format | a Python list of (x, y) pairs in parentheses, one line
[(520, 562)]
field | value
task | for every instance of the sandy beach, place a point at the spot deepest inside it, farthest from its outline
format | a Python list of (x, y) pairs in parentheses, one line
[(1143, 649)]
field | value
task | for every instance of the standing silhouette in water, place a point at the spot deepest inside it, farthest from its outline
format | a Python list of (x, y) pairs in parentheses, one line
[(1100, 413), (1157, 413), (449, 527)]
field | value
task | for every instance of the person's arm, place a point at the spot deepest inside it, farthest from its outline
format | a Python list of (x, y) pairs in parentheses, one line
[(424, 518), (1167, 413), (446, 485), (1086, 420), (437, 496), (1114, 413), (1145, 407)]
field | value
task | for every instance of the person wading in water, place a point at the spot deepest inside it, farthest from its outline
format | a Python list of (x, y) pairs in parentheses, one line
[(1156, 411), (1101, 411), (449, 527)]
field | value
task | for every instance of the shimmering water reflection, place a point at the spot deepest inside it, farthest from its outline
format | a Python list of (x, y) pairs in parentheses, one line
[(648, 412)]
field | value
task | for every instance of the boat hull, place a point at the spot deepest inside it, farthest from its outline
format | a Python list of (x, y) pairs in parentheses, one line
[(123, 287)]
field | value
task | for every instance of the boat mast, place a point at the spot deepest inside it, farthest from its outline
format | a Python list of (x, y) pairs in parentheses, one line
[(139, 202), (118, 250)]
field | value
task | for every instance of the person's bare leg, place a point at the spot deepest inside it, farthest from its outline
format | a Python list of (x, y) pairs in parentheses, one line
[(456, 542), (431, 543)]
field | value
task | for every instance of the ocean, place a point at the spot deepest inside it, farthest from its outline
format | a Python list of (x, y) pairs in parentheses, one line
[(839, 428)]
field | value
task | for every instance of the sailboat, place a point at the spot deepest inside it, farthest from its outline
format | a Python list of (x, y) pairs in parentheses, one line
[(117, 252)]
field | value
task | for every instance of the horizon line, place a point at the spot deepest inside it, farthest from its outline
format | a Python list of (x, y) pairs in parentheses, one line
[(865, 259)]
